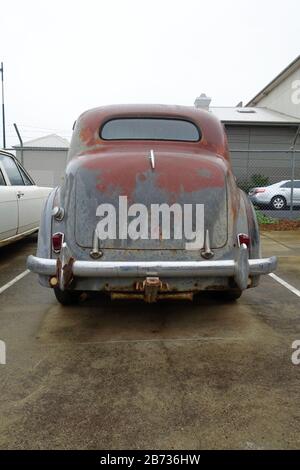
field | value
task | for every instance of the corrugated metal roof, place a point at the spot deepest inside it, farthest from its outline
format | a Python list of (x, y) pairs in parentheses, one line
[(253, 115), (50, 141)]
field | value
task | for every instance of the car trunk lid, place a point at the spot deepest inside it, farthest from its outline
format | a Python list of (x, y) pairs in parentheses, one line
[(147, 178)]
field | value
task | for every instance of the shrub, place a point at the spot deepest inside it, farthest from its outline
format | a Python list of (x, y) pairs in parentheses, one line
[(254, 181), (264, 219), (259, 180)]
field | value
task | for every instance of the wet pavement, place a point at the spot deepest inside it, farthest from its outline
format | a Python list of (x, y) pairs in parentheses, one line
[(103, 375)]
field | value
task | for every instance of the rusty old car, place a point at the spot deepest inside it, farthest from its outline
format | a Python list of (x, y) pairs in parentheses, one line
[(148, 155)]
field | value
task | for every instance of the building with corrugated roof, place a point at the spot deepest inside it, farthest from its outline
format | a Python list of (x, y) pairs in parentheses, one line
[(44, 158), (261, 134)]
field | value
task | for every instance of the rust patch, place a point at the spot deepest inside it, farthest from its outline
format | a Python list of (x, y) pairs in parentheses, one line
[(68, 272), (120, 172), (174, 173), (87, 136)]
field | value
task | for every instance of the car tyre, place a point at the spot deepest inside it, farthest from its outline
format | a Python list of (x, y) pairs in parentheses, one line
[(66, 297), (278, 203)]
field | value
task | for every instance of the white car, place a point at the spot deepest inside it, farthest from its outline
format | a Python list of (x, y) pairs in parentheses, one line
[(21, 201), (277, 195)]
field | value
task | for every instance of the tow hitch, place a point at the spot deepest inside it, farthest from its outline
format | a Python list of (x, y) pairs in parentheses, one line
[(150, 290), (150, 286)]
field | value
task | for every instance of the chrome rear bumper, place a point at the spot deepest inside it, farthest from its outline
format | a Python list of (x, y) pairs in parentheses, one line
[(239, 269)]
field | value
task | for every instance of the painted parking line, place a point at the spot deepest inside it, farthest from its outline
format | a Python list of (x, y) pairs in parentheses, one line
[(13, 281), (285, 284), (272, 275)]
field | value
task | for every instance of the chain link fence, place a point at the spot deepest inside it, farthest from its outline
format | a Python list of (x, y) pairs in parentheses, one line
[(271, 181), (271, 177), (269, 174)]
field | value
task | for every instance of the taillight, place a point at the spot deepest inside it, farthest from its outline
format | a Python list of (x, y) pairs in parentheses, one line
[(259, 190), (244, 238), (57, 241)]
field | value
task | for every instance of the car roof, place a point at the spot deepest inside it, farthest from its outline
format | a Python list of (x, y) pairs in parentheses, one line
[(86, 132), (5, 152), (152, 110)]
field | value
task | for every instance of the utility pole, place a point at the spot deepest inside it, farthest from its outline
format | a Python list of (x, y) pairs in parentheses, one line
[(3, 112)]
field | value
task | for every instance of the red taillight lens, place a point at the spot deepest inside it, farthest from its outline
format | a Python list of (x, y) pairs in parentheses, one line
[(57, 241), (244, 238), (259, 190)]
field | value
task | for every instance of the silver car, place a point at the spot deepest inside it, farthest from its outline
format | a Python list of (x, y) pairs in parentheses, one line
[(277, 195)]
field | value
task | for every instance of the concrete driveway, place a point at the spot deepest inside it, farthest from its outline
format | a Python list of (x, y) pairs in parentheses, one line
[(170, 375)]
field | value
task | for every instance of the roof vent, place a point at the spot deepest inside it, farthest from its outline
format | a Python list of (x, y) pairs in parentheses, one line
[(202, 101), (246, 111)]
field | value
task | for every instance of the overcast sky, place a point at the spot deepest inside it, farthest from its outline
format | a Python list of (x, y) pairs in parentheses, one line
[(63, 57)]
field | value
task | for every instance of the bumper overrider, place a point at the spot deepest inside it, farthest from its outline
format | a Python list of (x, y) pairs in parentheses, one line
[(65, 268)]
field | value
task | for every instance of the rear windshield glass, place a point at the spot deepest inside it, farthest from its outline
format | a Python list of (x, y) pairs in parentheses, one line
[(150, 129)]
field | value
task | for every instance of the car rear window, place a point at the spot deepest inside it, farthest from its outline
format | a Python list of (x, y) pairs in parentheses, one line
[(150, 129)]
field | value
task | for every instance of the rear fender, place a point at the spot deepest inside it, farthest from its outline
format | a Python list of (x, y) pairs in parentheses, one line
[(247, 223), (253, 229), (45, 232), (249, 219)]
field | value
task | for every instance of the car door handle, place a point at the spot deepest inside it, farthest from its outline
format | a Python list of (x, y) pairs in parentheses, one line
[(20, 194)]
